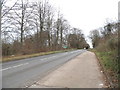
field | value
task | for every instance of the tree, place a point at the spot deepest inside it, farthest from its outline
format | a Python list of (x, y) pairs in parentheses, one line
[(0, 17), (15, 19), (95, 36), (4, 10), (49, 23), (41, 13), (35, 27), (77, 39), (73, 41)]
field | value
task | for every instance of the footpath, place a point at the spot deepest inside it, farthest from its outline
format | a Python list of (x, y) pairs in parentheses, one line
[(81, 72)]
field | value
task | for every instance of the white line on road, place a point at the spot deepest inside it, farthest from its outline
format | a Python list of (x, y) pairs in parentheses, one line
[(43, 59), (14, 66), (20, 65), (28, 63), (5, 68), (48, 57)]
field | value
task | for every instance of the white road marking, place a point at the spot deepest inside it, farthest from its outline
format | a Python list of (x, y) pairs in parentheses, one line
[(47, 58), (60, 55), (5, 68), (66, 53), (20, 65), (28, 63), (43, 59), (53, 56), (14, 66)]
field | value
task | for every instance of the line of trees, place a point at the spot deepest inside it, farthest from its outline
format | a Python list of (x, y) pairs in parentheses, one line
[(107, 35), (36, 27)]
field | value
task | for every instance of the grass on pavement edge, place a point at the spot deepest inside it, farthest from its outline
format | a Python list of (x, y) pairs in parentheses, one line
[(108, 63)]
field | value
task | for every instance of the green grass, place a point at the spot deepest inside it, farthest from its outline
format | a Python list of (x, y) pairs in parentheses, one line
[(109, 63), (5, 59), (108, 60)]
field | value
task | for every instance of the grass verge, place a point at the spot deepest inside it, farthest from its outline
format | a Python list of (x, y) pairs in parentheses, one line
[(11, 58), (108, 60)]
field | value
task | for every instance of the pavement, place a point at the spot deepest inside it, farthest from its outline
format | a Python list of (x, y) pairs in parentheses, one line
[(82, 71), (25, 72)]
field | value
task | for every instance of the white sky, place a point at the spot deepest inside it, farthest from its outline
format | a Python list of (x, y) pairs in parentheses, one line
[(87, 14)]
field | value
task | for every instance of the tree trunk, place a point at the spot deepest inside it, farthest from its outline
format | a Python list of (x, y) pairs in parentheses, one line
[(22, 24)]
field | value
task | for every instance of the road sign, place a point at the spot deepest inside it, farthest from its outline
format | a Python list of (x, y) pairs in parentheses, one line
[(65, 46)]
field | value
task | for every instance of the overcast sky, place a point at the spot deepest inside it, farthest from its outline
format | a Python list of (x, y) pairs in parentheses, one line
[(87, 15)]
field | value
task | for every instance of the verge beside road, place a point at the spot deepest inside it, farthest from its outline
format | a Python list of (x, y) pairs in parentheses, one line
[(11, 58), (109, 66), (81, 72)]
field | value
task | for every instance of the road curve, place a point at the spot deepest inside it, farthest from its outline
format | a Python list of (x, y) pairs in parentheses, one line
[(22, 73)]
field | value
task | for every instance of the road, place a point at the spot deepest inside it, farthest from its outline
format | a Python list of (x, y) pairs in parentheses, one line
[(83, 71), (23, 73)]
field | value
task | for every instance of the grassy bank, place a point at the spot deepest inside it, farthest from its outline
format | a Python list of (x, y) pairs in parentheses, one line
[(109, 63), (18, 57)]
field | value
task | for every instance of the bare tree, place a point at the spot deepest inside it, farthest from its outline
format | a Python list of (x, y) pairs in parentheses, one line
[(49, 23), (35, 27), (6, 9), (39, 16), (0, 15), (19, 16), (0, 31)]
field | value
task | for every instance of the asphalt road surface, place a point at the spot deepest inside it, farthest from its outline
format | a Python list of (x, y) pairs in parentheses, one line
[(23, 73)]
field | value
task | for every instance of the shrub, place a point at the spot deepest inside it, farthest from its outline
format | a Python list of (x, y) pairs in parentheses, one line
[(112, 43)]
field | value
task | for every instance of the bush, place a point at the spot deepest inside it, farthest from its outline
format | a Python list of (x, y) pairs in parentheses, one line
[(112, 43)]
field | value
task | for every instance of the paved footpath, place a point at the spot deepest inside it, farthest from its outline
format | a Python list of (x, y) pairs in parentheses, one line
[(81, 72)]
